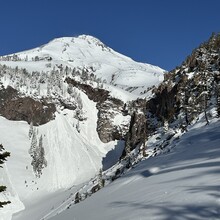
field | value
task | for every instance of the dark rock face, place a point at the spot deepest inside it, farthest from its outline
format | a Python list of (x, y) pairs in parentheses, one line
[(165, 104), (190, 88), (107, 107), (137, 129), (96, 95), (15, 107), (105, 127)]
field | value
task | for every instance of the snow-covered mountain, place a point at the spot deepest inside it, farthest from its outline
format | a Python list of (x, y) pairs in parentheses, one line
[(68, 101), (178, 177), (79, 118), (88, 53)]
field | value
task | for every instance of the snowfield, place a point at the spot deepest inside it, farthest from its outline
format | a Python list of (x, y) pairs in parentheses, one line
[(182, 184)]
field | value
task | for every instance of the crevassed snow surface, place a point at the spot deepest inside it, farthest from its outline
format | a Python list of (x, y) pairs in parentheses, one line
[(183, 184)]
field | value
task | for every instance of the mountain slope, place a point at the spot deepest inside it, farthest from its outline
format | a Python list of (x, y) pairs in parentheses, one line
[(189, 96), (68, 101), (87, 52), (89, 105), (183, 184)]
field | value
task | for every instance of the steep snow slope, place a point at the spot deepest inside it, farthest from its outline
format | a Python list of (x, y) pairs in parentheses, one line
[(88, 52), (72, 157), (10, 195), (183, 184)]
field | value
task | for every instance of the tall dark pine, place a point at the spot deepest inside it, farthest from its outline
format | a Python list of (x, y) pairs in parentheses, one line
[(217, 99), (205, 85), (3, 156)]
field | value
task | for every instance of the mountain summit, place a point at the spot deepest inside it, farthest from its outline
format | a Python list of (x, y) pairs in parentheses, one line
[(87, 52)]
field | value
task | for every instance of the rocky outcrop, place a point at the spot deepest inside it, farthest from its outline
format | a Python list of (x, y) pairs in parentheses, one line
[(191, 88), (164, 104), (108, 109), (15, 107), (94, 94), (106, 127)]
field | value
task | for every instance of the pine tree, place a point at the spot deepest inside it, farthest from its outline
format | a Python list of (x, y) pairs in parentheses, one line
[(101, 182), (33, 147), (3, 157), (79, 101), (205, 97), (77, 198), (217, 86), (39, 161), (205, 94), (144, 136), (41, 157), (78, 126), (31, 130), (127, 145)]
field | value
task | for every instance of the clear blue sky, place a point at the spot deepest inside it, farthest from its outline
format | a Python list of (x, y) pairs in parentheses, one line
[(160, 32)]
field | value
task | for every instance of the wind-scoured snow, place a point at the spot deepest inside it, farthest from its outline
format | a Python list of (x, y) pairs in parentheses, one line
[(182, 184)]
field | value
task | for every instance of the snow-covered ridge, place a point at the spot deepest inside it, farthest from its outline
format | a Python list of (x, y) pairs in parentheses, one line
[(88, 52)]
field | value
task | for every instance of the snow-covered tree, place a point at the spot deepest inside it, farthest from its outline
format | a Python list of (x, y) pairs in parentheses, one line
[(166, 126), (217, 95), (33, 147), (127, 145), (78, 126), (31, 130), (79, 101), (39, 161), (3, 156), (101, 182), (78, 198)]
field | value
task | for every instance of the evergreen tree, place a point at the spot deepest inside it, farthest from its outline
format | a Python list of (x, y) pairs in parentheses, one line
[(31, 130), (33, 147), (144, 135), (217, 86), (205, 84), (39, 161), (3, 156), (79, 101), (78, 126), (127, 145), (101, 182), (77, 198)]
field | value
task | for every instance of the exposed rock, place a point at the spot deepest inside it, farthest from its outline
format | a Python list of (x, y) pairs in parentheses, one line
[(108, 109), (94, 94), (15, 107), (189, 89), (165, 104), (105, 125)]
